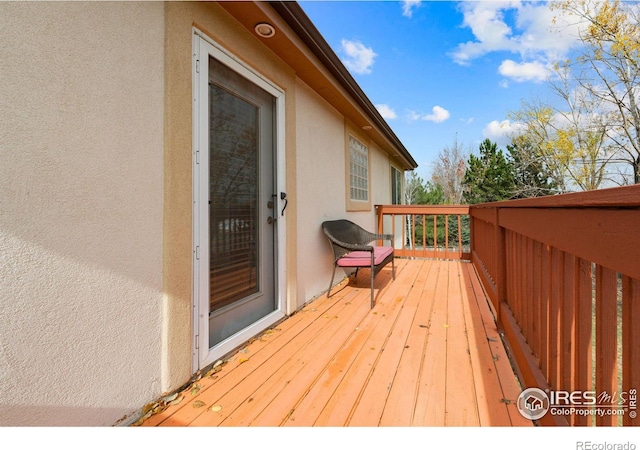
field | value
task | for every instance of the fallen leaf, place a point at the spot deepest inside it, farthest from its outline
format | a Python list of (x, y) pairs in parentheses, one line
[(199, 404), (243, 360), (176, 401), (446, 325), (148, 407), (170, 398), (218, 363), (158, 409), (195, 389), (216, 408), (505, 401)]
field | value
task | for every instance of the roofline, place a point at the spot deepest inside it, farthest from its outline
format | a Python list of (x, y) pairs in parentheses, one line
[(300, 23)]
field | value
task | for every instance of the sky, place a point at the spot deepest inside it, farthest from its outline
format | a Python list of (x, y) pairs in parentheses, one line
[(442, 72)]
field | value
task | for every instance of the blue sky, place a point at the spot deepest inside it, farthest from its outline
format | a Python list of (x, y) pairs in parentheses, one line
[(440, 71)]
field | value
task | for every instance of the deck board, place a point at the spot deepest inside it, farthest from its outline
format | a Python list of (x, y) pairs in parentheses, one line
[(427, 354)]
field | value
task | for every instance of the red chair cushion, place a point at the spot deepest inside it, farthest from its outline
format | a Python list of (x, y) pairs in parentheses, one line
[(363, 259)]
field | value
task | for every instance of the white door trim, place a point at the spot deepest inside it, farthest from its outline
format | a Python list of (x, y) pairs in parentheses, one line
[(201, 354)]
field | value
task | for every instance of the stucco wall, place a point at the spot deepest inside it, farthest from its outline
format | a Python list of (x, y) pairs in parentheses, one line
[(321, 188), (81, 173)]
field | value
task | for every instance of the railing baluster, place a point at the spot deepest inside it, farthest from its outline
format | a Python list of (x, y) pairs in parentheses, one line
[(606, 336), (584, 333), (435, 236), (446, 236), (630, 346), (545, 356), (568, 327), (459, 237), (413, 235)]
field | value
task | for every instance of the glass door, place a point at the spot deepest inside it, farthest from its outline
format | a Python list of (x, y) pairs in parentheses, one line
[(237, 248)]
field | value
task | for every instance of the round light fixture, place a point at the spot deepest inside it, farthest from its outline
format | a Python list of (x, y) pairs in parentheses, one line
[(265, 30), (367, 127)]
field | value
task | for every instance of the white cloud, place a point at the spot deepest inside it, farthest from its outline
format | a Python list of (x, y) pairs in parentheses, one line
[(408, 6), (386, 111), (487, 23), (359, 59), (531, 32), (501, 132), (438, 114), (413, 116), (526, 71)]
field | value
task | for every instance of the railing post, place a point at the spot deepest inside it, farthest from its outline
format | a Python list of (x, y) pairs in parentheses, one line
[(500, 263)]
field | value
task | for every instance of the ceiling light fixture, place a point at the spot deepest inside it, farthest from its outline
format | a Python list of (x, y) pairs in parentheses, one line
[(265, 30), (367, 127)]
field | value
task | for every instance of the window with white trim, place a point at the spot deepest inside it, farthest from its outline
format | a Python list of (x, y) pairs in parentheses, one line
[(396, 186), (358, 170)]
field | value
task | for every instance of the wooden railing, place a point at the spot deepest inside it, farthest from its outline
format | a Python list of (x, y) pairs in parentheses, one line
[(423, 231), (563, 274)]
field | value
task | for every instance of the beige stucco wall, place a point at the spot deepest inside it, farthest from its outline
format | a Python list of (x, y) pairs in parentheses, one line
[(321, 167), (96, 197), (81, 176)]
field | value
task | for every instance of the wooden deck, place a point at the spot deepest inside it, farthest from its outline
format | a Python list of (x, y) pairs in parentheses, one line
[(428, 354)]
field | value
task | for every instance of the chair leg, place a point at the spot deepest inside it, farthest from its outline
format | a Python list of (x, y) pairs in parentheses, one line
[(331, 282), (372, 277)]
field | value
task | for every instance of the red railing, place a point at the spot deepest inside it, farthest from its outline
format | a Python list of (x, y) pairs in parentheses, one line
[(427, 231), (563, 274)]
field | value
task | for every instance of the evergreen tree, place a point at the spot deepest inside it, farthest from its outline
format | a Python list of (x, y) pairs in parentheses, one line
[(531, 176), (489, 176)]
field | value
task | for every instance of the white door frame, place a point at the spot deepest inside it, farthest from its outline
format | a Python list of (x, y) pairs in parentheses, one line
[(202, 355)]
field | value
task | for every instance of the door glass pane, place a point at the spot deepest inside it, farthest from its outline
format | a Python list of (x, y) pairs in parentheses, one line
[(233, 193)]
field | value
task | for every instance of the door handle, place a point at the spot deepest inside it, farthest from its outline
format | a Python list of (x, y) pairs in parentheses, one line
[(283, 196)]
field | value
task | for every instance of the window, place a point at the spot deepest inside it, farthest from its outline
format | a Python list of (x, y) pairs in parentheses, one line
[(358, 170), (396, 186)]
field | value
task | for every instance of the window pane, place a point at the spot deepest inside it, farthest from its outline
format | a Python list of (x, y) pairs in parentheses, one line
[(359, 167)]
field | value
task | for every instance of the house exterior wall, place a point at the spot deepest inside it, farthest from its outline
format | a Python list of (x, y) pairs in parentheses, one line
[(322, 183), (96, 200), (81, 173)]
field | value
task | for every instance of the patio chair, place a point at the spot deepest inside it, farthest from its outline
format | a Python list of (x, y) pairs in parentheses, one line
[(349, 243)]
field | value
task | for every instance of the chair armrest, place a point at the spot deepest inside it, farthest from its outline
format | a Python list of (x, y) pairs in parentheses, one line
[(352, 247)]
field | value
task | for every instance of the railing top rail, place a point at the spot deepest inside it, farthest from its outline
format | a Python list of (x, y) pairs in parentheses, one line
[(424, 209), (618, 197)]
